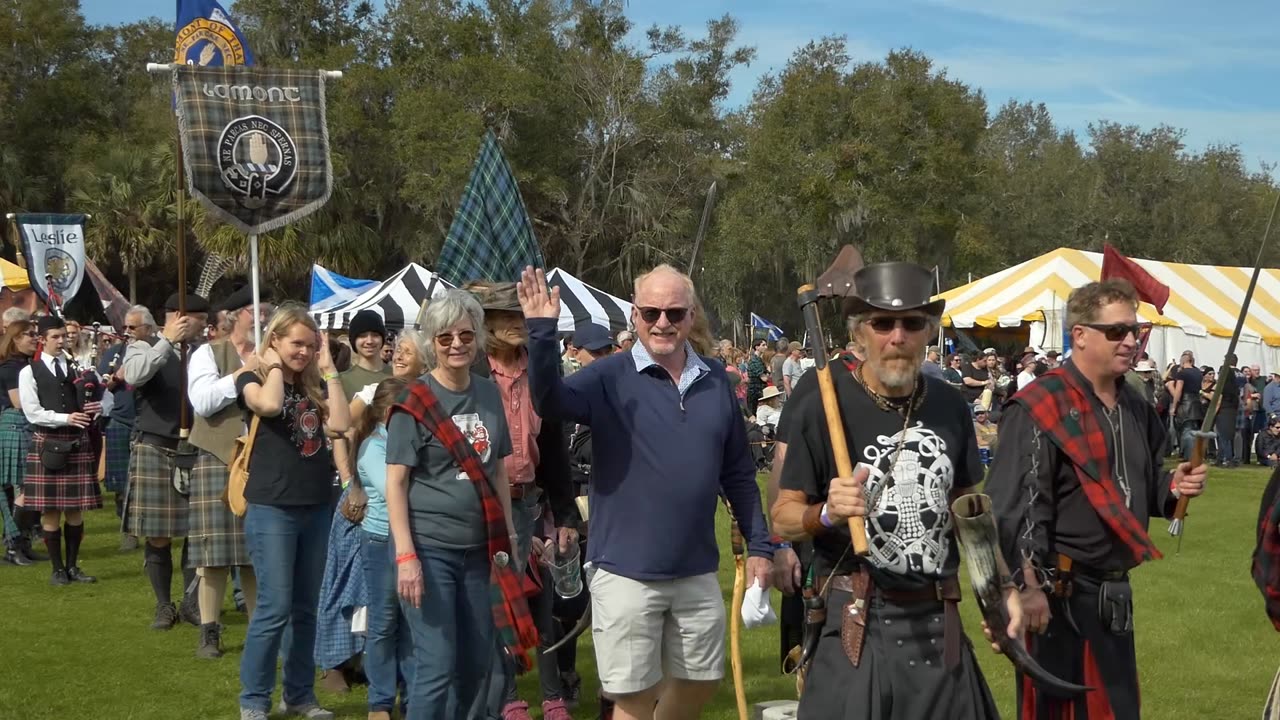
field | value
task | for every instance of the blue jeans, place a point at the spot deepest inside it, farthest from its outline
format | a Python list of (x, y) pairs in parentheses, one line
[(287, 546), (388, 647), (452, 634)]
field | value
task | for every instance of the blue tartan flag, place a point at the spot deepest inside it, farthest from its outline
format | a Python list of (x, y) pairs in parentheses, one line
[(491, 237), (773, 332), (207, 37)]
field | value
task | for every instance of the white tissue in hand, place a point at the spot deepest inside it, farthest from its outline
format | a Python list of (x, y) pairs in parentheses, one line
[(756, 610)]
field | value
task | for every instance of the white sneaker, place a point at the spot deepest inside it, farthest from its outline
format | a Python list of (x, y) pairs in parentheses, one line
[(311, 711)]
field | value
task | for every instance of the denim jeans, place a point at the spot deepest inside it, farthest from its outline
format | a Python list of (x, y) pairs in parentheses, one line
[(452, 634), (287, 546), (388, 647)]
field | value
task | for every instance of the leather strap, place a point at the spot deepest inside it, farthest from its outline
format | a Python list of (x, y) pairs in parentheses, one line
[(946, 591)]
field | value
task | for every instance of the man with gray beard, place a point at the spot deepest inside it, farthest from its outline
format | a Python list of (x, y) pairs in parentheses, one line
[(891, 646)]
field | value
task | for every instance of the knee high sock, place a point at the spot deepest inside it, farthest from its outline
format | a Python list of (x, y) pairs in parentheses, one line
[(159, 569), (74, 534), (188, 573), (249, 584), (27, 520), (119, 505), (53, 541), (213, 586)]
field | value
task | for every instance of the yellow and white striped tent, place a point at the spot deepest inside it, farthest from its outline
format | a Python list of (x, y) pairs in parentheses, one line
[(1204, 301)]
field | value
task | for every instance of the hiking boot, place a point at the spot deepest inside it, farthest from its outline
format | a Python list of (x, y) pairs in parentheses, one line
[(166, 617), (59, 578), (210, 645), (189, 612), (335, 682), (77, 575), (247, 714), (14, 556), (572, 684), (128, 543), (555, 710), (518, 710), (311, 711)]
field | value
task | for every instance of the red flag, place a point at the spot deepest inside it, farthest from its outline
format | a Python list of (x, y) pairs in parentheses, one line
[(1150, 290)]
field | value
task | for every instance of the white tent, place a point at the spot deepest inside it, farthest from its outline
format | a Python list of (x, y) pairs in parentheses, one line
[(581, 304)]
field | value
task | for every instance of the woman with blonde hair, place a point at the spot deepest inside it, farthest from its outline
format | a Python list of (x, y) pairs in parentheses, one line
[(296, 396)]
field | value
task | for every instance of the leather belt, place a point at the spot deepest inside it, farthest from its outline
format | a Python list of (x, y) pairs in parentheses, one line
[(518, 491), (160, 441), (860, 587), (946, 590)]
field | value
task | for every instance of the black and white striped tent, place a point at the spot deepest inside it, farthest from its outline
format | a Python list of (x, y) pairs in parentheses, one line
[(400, 296), (396, 299)]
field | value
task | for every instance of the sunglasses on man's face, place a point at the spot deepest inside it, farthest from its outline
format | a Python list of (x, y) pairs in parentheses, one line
[(466, 337), (675, 315), (911, 323), (1115, 332)]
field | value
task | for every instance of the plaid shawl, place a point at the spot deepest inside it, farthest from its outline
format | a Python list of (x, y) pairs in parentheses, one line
[(1266, 556), (511, 614), (1058, 404)]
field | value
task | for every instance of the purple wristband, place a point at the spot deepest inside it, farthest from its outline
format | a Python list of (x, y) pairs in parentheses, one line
[(826, 519)]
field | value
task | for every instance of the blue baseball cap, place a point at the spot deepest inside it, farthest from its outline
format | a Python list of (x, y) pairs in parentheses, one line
[(592, 338)]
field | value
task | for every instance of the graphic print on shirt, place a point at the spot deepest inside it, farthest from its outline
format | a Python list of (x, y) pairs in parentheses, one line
[(909, 524), (304, 418), (476, 433)]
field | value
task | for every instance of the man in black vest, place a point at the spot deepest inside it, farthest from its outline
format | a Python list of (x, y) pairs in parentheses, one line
[(61, 470), (157, 509)]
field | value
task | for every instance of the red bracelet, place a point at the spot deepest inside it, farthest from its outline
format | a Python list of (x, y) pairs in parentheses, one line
[(403, 558)]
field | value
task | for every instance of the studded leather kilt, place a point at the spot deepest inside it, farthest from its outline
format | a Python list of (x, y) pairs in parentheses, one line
[(901, 674)]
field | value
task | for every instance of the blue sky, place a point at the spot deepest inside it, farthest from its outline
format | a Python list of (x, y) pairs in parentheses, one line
[(1207, 67)]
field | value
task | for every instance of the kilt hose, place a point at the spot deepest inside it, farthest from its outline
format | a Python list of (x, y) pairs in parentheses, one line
[(216, 535), (155, 509), (117, 441), (75, 487), (15, 435)]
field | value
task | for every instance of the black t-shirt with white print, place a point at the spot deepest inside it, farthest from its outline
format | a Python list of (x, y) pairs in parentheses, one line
[(290, 464), (910, 529)]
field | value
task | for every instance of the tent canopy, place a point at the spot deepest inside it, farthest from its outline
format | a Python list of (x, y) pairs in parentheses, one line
[(14, 276), (1204, 299)]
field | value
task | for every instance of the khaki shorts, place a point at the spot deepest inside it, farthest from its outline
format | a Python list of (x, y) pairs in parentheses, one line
[(641, 629)]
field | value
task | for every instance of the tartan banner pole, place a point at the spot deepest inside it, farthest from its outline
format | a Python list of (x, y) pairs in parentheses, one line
[(254, 272)]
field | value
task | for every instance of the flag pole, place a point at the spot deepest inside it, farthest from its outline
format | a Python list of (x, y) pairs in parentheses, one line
[(184, 417), (937, 282), (253, 278)]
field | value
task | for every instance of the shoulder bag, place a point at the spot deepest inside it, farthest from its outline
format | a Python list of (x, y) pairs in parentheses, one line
[(238, 470)]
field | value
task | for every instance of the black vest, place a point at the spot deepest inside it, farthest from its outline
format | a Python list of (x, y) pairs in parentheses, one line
[(55, 395), (159, 400)]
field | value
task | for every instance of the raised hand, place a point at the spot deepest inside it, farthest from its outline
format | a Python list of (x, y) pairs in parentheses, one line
[(535, 300), (325, 360)]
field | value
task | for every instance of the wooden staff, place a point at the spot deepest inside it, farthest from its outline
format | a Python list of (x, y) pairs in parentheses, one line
[(735, 629), (807, 296)]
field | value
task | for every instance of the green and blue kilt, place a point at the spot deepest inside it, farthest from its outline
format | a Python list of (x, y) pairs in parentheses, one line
[(118, 441), (155, 509), (15, 435), (216, 535), (75, 487)]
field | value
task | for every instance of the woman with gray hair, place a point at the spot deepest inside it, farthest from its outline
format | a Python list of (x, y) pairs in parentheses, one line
[(444, 520)]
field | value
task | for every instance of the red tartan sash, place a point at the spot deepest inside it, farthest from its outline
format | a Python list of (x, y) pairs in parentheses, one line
[(511, 615), (1058, 404)]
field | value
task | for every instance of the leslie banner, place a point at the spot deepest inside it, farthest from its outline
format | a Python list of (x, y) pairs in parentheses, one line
[(255, 143), (53, 247)]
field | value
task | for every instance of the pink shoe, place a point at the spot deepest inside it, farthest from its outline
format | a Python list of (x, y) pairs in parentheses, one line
[(555, 710), (518, 710)]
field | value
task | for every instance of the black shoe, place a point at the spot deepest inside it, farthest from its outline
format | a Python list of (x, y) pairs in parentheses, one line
[(59, 577), (14, 556), (189, 611), (166, 616), (78, 575), (209, 646), (572, 685)]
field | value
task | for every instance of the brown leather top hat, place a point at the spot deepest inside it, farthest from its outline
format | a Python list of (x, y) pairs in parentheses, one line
[(894, 286), (495, 295)]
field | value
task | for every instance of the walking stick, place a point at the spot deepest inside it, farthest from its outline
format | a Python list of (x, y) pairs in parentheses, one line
[(735, 629), (807, 296)]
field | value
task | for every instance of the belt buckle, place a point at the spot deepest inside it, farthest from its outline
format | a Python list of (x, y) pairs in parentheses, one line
[(937, 591)]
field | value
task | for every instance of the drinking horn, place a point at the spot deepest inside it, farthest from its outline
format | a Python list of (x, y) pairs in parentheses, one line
[(584, 622), (976, 527)]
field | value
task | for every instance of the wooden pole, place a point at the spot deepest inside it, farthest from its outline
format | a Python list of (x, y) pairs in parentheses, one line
[(184, 416)]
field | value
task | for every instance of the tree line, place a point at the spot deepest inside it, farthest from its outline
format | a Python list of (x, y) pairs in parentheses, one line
[(616, 143)]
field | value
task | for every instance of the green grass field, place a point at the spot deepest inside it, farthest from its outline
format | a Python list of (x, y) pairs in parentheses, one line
[(1205, 647)]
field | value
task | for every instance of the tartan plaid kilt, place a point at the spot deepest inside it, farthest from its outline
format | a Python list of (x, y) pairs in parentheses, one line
[(118, 440), (156, 510), (15, 436), (216, 534), (75, 487)]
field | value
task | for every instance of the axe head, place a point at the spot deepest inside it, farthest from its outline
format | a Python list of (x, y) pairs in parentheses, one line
[(837, 280)]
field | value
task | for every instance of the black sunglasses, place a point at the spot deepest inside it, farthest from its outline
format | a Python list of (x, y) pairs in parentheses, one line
[(1115, 332), (911, 323), (675, 315)]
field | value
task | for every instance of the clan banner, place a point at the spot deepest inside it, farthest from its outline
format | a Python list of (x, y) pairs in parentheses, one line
[(53, 248), (255, 143)]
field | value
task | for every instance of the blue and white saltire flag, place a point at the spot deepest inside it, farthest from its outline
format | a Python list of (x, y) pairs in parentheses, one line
[(1066, 343), (207, 37), (329, 289), (775, 332)]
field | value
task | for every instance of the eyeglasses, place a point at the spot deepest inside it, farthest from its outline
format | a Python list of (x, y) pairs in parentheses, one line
[(31, 334), (910, 323), (1115, 332), (466, 337), (675, 315)]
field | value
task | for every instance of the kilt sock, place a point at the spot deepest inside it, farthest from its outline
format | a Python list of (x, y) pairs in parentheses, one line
[(213, 587), (159, 567), (53, 541), (74, 534), (27, 520)]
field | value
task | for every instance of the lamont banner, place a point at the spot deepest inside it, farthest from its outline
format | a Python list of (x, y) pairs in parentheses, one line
[(255, 143), (53, 248)]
